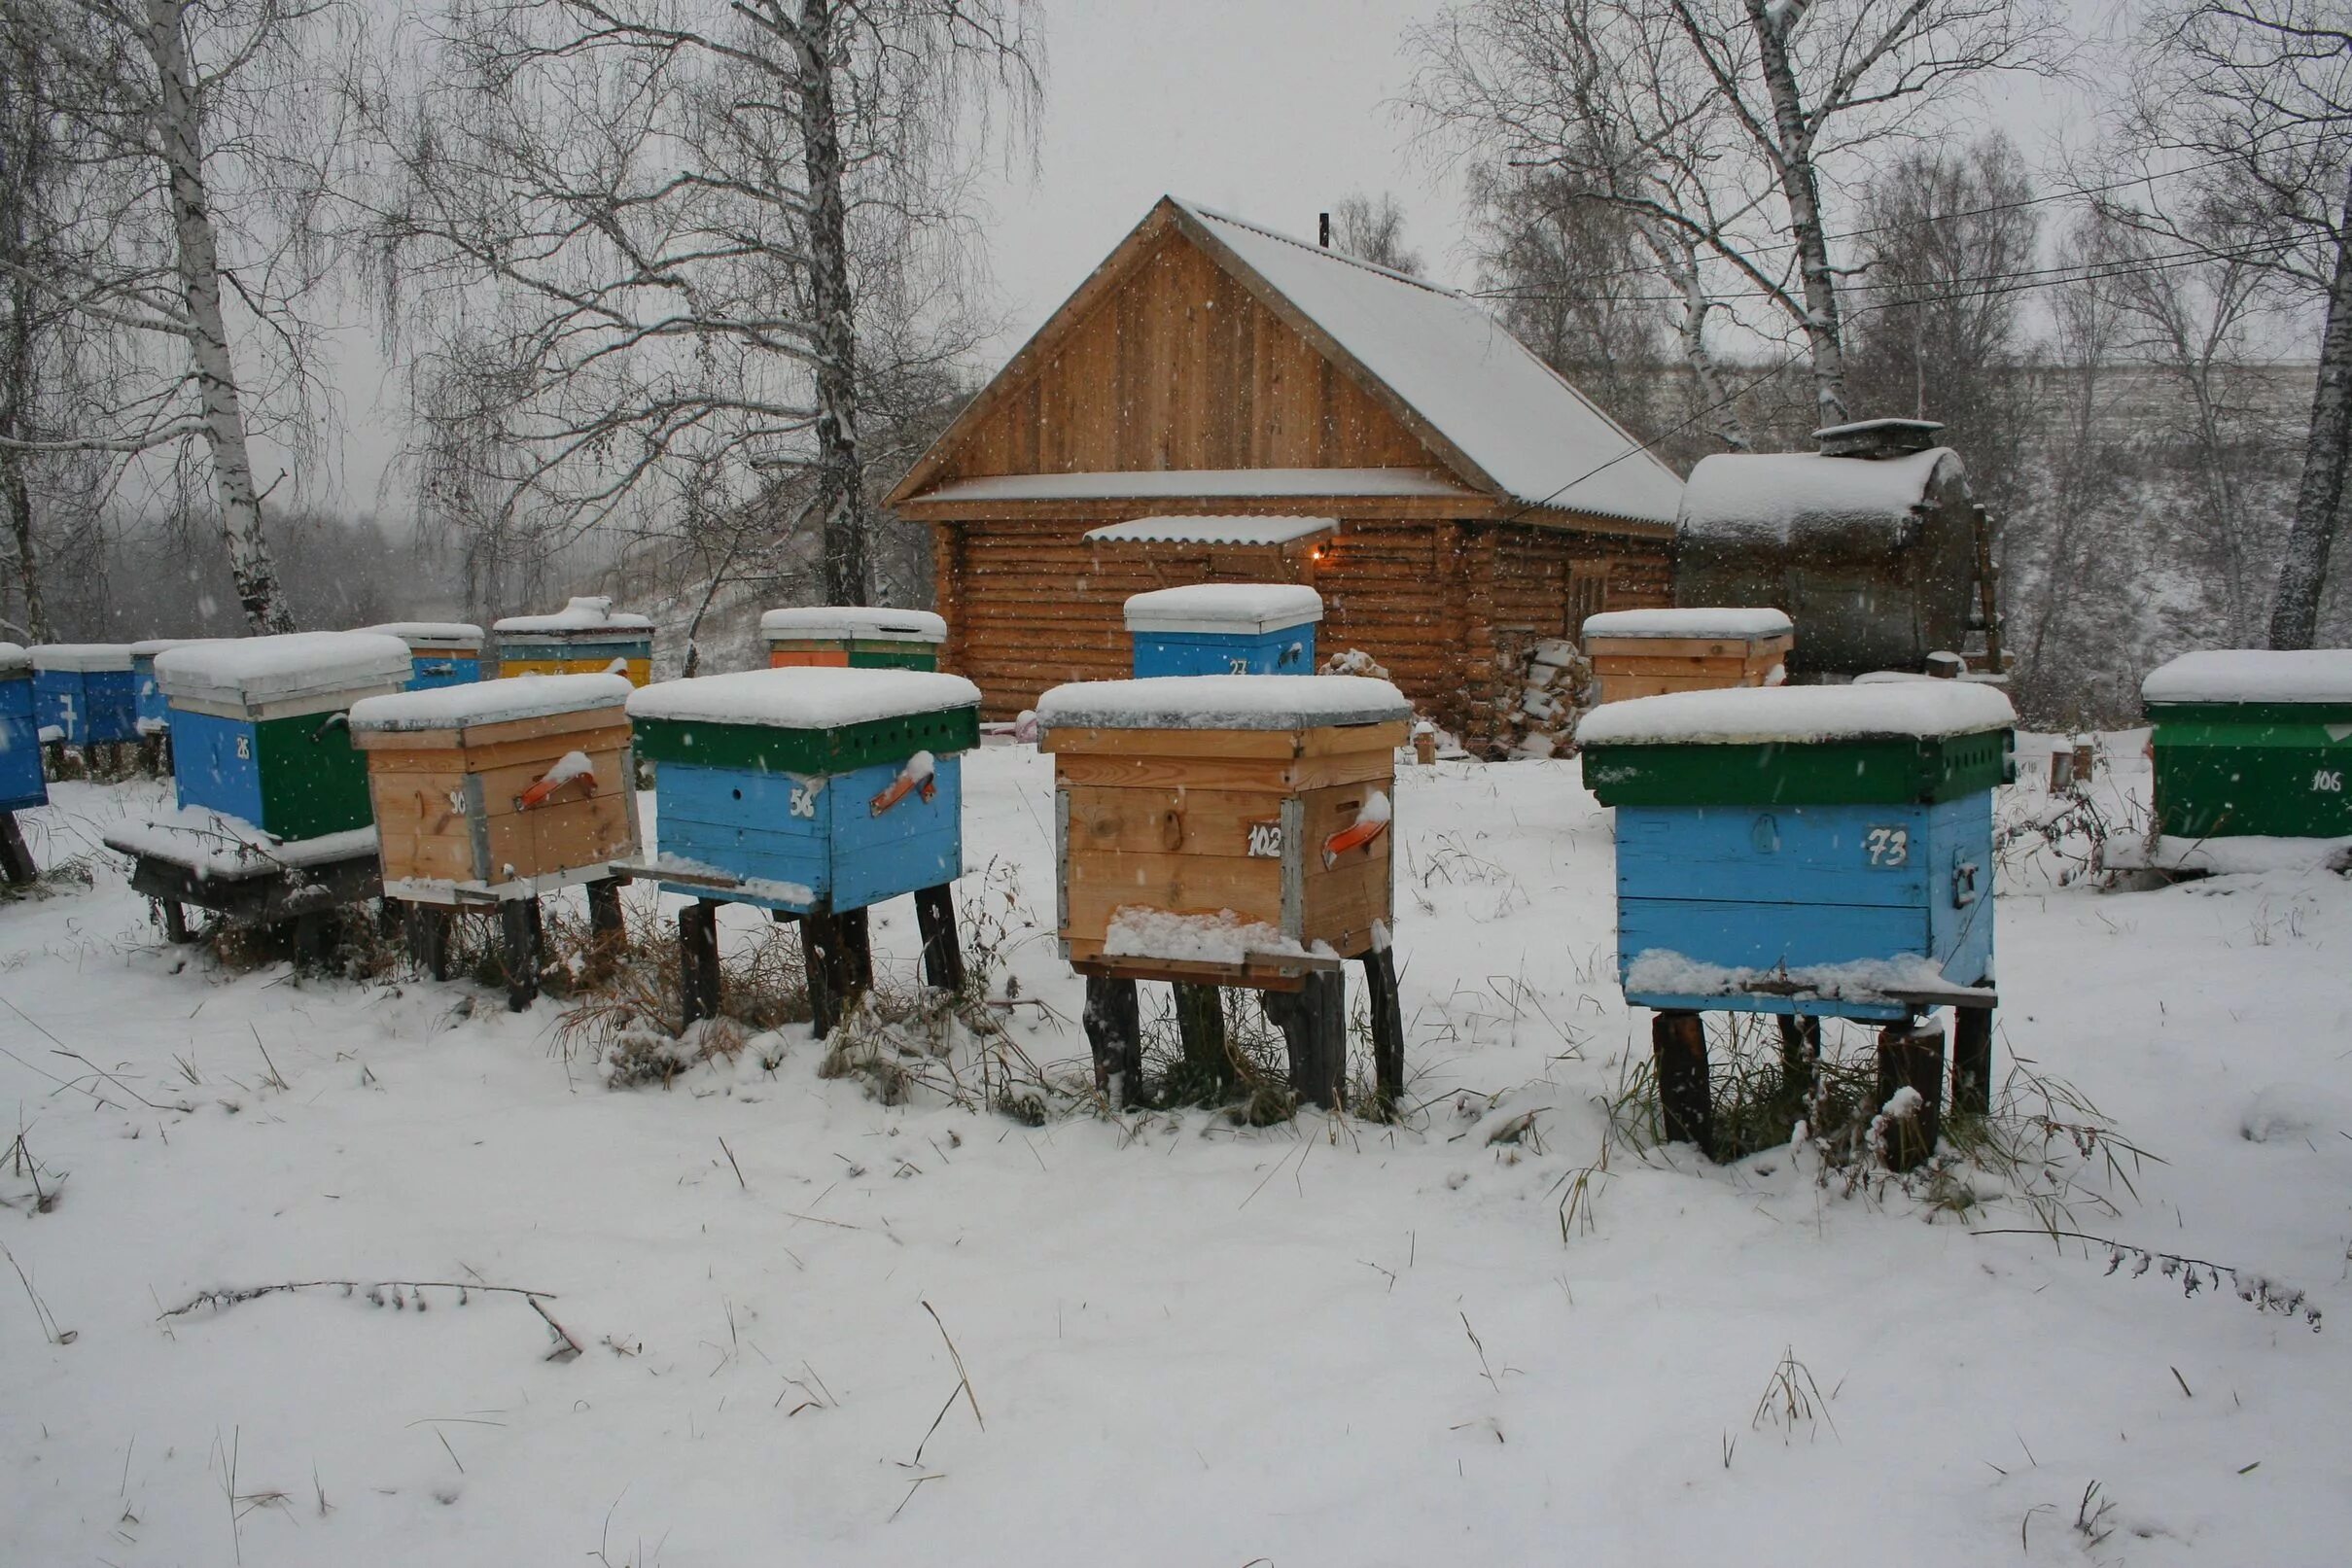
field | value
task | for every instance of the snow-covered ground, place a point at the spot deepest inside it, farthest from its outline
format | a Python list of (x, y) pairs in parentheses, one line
[(1330, 1342)]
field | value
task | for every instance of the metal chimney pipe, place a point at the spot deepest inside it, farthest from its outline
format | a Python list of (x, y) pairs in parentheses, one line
[(1325, 229)]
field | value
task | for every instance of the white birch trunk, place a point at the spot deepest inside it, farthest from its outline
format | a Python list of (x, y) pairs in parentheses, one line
[(1800, 188), (1680, 263), (840, 472), (179, 139), (2319, 500), (26, 147)]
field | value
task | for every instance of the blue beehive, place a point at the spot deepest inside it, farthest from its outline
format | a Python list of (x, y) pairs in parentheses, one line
[(808, 790), (1816, 850), (21, 781), (151, 708), (85, 692), (1225, 628), (259, 731), (441, 653)]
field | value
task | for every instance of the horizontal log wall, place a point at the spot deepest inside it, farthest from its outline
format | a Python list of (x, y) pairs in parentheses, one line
[(1450, 608)]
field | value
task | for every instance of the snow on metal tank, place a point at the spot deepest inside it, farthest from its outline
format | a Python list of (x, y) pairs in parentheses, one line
[(1868, 543)]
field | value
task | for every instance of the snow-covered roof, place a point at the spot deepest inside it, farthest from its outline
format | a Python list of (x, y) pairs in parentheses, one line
[(801, 697), (1538, 439), (590, 613), (1224, 606), (147, 648), (489, 702), (2320, 674), (432, 634), (1161, 483), (1774, 493), (1716, 622), (1211, 529), (1222, 702), (249, 671), (82, 658), (880, 624), (1748, 715), (15, 662)]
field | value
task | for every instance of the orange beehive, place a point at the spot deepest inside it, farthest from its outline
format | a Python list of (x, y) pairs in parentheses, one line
[(1648, 652), (500, 789), (1223, 830)]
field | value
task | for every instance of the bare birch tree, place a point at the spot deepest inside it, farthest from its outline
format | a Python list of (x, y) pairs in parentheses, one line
[(677, 220), (2254, 99), (190, 240), (1724, 124), (1372, 228)]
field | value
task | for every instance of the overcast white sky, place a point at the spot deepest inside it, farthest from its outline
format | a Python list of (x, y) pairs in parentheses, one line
[(1272, 110)]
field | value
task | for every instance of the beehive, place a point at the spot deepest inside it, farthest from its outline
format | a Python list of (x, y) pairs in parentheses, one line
[(852, 638), (21, 785), (259, 731), (441, 653), (2253, 743), (85, 692), (151, 708), (1228, 829), (1224, 628), (500, 788), (808, 790), (1647, 652), (586, 637), (1815, 849)]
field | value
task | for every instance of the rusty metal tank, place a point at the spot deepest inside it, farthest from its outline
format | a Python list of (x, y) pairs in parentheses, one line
[(1868, 543)]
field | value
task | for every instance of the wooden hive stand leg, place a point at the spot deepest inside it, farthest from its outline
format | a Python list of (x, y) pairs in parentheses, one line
[(1678, 1051), (314, 940), (857, 951), (1972, 1062), (1313, 1021), (1911, 1056), (698, 960), (604, 925), (815, 965), (1800, 1055), (176, 929), (1114, 1027), (15, 861), (1200, 1012), (840, 963), (428, 939), (519, 933), (1387, 1032), (942, 954)]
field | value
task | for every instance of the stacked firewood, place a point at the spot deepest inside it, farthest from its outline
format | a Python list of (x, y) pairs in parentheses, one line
[(1557, 691)]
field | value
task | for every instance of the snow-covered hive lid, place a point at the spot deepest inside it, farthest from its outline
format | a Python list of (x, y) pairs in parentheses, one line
[(251, 672), (2320, 674), (489, 702), (1722, 622), (431, 633), (1779, 495), (1211, 529), (15, 663), (147, 648), (802, 698), (1542, 441), (1224, 606), (873, 623), (82, 658), (588, 613), (1240, 702), (1761, 716)]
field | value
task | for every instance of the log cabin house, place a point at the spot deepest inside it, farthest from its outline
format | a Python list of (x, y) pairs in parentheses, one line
[(1219, 402)]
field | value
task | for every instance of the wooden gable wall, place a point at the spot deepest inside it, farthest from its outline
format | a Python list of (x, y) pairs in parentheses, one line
[(1179, 367)]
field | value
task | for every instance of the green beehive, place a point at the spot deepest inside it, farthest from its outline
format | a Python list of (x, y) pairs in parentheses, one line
[(259, 731), (2253, 743)]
